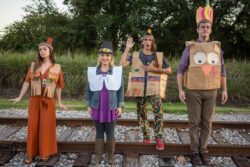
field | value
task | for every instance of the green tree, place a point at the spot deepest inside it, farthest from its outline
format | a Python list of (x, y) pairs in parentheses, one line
[(89, 22), (42, 19)]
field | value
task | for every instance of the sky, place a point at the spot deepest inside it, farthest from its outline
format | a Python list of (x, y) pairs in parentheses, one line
[(11, 11)]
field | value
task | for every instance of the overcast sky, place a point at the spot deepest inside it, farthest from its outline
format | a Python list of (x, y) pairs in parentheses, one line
[(11, 10)]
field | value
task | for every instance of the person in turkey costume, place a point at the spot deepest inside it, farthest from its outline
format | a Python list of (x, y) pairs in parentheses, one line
[(202, 71)]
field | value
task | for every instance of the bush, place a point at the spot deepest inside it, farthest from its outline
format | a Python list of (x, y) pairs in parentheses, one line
[(14, 66)]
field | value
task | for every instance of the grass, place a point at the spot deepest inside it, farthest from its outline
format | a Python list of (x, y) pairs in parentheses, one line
[(173, 108)]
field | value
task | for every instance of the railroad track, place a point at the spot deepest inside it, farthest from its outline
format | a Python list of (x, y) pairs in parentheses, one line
[(125, 122), (131, 149)]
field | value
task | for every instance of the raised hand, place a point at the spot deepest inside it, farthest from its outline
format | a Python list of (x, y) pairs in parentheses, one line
[(130, 43)]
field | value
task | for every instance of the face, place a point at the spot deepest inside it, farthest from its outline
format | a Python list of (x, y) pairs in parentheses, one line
[(204, 30), (105, 59), (147, 43), (44, 51)]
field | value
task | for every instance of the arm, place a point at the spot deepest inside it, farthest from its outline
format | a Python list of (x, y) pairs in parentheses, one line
[(89, 94), (165, 69), (120, 101), (59, 87), (120, 95), (180, 88), (24, 89), (58, 95), (129, 45), (224, 95), (183, 65), (158, 70)]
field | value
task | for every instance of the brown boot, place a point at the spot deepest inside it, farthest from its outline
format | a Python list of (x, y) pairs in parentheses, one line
[(98, 150), (205, 159), (196, 159), (111, 150)]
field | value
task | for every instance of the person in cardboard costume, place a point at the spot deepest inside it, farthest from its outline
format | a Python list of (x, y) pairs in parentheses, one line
[(202, 70), (147, 80), (45, 80), (105, 98)]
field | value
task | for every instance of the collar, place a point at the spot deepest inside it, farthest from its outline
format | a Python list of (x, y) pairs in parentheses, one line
[(98, 70), (142, 53)]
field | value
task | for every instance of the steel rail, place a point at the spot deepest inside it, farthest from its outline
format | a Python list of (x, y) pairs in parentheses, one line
[(73, 122), (141, 148)]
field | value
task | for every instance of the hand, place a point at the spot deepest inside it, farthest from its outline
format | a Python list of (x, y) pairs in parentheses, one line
[(129, 43), (89, 110), (62, 107), (224, 97), (149, 68), (15, 100), (182, 96), (118, 112)]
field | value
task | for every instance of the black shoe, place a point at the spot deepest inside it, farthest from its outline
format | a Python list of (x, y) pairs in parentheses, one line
[(196, 159)]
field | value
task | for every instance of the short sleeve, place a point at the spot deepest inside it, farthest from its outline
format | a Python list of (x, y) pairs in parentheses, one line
[(129, 59), (165, 63), (27, 78), (60, 82)]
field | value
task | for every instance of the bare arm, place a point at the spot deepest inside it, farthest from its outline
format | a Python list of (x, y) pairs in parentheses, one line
[(180, 88), (58, 95), (224, 95), (24, 89), (129, 44), (164, 70), (158, 70)]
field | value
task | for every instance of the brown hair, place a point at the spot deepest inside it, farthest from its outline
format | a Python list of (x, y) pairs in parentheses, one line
[(203, 21), (51, 53), (154, 47)]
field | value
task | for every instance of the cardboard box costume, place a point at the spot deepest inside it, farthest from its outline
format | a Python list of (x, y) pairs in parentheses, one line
[(204, 70), (156, 83)]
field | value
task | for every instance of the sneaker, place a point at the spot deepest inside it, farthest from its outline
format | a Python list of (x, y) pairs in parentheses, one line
[(196, 159), (159, 144), (146, 141)]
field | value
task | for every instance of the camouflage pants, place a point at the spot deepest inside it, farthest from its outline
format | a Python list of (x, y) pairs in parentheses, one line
[(142, 115)]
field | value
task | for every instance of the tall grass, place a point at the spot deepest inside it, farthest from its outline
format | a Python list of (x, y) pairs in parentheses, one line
[(238, 73), (13, 68)]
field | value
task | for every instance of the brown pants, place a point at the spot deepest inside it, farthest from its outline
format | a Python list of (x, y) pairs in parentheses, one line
[(201, 105), (41, 139)]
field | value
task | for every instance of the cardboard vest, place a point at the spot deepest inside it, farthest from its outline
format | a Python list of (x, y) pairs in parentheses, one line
[(156, 83), (204, 70), (49, 83)]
